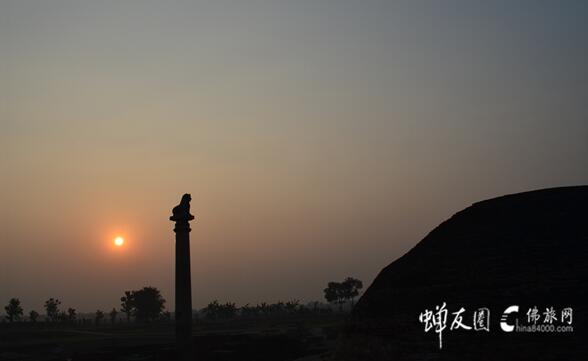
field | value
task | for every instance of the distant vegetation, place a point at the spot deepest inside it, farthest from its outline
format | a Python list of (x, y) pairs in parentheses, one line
[(52, 309), (342, 292), (13, 310), (99, 317), (113, 315), (228, 310), (126, 305), (33, 315), (144, 305), (147, 305)]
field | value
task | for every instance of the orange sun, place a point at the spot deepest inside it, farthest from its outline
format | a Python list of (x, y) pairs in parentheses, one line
[(119, 241)]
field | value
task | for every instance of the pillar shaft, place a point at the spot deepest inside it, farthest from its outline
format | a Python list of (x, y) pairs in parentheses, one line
[(183, 313)]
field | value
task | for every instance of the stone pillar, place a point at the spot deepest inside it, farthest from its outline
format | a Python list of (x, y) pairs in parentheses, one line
[(183, 313)]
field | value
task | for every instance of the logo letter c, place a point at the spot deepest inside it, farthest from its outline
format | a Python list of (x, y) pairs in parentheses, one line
[(503, 324)]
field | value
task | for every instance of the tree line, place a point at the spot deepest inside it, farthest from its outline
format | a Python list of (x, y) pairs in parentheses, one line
[(144, 305), (148, 305)]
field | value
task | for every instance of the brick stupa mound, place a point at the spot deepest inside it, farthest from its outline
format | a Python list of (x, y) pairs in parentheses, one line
[(527, 249)]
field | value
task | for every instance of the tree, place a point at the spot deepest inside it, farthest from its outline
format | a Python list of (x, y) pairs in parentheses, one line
[(71, 314), (334, 294), (350, 289), (13, 310), (52, 309), (341, 292), (113, 315), (127, 304), (148, 304), (99, 316), (33, 316)]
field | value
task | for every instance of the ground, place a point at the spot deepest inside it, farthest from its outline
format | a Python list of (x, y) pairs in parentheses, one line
[(288, 338)]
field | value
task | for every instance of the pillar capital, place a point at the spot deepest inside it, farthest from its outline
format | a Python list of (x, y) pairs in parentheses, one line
[(182, 226)]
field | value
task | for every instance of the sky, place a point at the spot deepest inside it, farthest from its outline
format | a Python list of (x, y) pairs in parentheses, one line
[(319, 139)]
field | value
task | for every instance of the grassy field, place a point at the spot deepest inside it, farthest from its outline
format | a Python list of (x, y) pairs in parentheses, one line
[(276, 338)]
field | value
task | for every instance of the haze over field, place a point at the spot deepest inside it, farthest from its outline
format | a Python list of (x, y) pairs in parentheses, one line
[(319, 139)]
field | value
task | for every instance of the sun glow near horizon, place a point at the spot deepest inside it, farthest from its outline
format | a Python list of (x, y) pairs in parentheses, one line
[(119, 241)]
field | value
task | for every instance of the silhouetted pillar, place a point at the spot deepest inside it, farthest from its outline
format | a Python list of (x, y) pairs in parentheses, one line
[(183, 313)]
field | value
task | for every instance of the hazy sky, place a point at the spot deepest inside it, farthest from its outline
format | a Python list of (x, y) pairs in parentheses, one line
[(319, 139)]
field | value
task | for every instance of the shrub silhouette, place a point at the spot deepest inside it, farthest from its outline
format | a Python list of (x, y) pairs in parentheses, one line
[(215, 310), (52, 309), (113, 315), (33, 316), (71, 314), (13, 310), (99, 316)]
